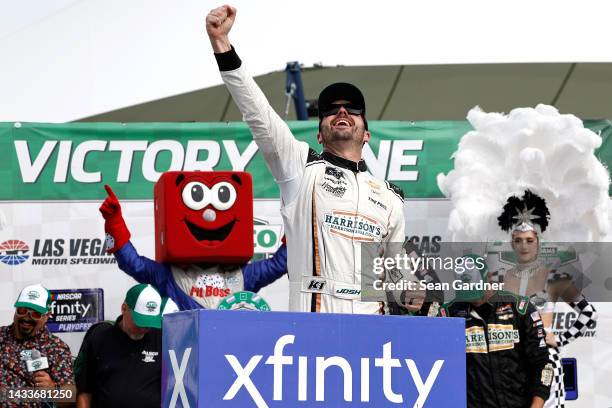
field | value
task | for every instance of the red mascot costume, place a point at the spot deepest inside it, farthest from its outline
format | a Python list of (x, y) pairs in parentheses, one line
[(203, 239)]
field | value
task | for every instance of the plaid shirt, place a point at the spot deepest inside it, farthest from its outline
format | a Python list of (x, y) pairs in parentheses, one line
[(13, 371)]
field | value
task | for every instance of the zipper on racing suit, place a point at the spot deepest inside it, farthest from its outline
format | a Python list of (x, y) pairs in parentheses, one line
[(475, 315)]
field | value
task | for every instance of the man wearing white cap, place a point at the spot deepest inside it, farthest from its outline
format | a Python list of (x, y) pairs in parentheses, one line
[(119, 365), (28, 338)]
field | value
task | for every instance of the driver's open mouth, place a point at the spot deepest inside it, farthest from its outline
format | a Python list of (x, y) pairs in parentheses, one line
[(341, 123)]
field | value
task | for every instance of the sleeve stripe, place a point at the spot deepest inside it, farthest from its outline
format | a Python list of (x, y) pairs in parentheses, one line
[(395, 190)]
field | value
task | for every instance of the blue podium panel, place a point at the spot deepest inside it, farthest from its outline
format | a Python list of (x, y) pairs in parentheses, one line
[(250, 359)]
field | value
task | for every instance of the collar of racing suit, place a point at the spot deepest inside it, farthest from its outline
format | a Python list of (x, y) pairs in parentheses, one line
[(345, 163)]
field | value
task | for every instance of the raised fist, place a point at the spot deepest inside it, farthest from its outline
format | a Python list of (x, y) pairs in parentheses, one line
[(218, 24), (117, 233)]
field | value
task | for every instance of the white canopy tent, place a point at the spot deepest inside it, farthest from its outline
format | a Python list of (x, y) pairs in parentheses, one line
[(407, 92)]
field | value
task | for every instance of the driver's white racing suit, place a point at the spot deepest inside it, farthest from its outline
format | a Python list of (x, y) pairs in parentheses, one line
[(330, 205)]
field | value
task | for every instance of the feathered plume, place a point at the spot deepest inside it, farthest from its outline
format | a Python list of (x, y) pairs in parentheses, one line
[(539, 150)]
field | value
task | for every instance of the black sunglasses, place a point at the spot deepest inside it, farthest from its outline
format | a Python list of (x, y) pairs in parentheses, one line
[(349, 107)]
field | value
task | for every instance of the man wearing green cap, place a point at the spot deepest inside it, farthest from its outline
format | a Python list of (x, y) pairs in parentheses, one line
[(119, 365), (330, 203), (27, 334)]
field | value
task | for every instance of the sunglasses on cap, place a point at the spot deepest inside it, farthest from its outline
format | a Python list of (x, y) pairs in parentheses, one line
[(22, 311), (350, 108)]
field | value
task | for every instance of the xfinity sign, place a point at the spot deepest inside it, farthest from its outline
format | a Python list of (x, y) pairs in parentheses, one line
[(386, 363), (267, 360)]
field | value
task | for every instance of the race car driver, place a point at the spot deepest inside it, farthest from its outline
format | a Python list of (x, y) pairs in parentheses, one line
[(330, 203)]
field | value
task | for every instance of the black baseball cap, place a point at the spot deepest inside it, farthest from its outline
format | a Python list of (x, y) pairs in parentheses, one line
[(341, 91)]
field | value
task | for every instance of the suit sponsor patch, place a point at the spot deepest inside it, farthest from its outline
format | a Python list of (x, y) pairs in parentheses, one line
[(475, 341), (504, 309), (316, 285), (353, 226), (504, 312), (337, 191), (502, 337), (377, 203), (374, 186), (547, 375), (334, 172)]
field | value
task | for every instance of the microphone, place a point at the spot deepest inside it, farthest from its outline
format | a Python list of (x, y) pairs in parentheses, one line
[(36, 362)]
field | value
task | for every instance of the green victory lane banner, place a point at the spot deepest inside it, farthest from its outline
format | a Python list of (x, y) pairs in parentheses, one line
[(72, 161)]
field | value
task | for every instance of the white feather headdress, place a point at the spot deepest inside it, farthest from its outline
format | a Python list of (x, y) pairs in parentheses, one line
[(539, 150)]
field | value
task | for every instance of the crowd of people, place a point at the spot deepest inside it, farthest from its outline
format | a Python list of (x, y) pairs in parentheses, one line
[(119, 362)]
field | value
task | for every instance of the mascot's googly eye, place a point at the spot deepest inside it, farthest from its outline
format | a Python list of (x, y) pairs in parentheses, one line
[(223, 195), (196, 195)]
